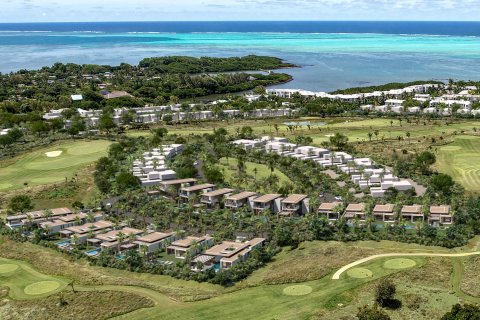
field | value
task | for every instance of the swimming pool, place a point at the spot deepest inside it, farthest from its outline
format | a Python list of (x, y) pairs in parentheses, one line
[(120, 256), (92, 253), (63, 243), (216, 267)]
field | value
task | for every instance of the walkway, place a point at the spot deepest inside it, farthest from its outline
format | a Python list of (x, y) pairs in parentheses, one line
[(337, 274)]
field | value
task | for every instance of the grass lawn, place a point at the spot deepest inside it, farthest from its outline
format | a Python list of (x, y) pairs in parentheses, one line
[(36, 168), (229, 168), (460, 160)]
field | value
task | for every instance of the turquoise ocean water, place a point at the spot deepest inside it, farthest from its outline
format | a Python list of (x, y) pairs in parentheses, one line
[(329, 60)]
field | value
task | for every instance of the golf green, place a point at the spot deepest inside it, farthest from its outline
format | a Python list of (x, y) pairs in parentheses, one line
[(41, 287), (37, 168), (7, 268), (399, 263), (297, 290), (359, 273)]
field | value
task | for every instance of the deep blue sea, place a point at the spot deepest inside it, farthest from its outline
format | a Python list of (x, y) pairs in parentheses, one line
[(332, 55)]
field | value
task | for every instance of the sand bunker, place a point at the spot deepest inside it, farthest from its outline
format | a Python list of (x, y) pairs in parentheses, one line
[(53, 154)]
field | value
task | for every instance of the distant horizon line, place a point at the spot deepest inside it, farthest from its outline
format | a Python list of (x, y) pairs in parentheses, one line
[(228, 21)]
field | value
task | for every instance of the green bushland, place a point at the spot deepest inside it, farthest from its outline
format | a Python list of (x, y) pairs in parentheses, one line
[(35, 168)]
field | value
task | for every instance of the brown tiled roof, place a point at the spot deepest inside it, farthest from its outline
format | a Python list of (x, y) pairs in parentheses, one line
[(329, 206), (267, 198), (294, 198), (440, 209), (218, 192), (198, 187), (188, 241), (357, 207), (380, 208), (414, 209), (241, 195), (154, 236)]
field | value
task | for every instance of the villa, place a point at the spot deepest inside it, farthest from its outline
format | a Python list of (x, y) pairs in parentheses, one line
[(330, 210), (169, 185), (355, 210), (111, 239), (229, 253), (215, 197), (189, 245), (154, 241), (295, 205), (412, 213), (440, 215), (63, 222), (236, 201), (384, 212), (80, 234), (35, 217), (189, 193), (267, 202)]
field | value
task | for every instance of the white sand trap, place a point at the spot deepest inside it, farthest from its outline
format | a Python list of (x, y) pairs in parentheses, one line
[(53, 154), (329, 135)]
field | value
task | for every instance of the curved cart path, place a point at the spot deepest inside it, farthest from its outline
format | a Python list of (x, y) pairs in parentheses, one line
[(337, 274)]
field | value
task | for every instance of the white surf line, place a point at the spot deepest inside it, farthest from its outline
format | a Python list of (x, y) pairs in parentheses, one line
[(337, 274)]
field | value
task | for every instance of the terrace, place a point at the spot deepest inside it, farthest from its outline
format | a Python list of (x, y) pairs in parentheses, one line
[(412, 213), (238, 200), (330, 210), (355, 210), (384, 212), (188, 193), (212, 198), (189, 245), (440, 215), (266, 202), (229, 253), (295, 204)]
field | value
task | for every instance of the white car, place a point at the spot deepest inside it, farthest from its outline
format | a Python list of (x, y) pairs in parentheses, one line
[(338, 198)]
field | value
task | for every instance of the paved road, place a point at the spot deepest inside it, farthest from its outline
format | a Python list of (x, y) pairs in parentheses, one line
[(337, 274)]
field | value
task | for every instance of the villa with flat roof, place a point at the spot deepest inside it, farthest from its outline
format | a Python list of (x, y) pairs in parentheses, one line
[(295, 205), (440, 215), (189, 245), (111, 240), (215, 197), (80, 234), (331, 210), (384, 212), (154, 241), (412, 213), (229, 253), (174, 185), (238, 200), (355, 210), (267, 202), (35, 217), (62, 222), (188, 193)]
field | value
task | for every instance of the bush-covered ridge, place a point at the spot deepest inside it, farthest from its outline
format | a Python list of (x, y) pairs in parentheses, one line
[(184, 64)]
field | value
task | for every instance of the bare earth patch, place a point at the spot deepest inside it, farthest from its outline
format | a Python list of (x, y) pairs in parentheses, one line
[(53, 154)]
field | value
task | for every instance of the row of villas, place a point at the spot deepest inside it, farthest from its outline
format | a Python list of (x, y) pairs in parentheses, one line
[(363, 171), (358, 97), (439, 105), (436, 215), (156, 114), (207, 195), (93, 230), (152, 168)]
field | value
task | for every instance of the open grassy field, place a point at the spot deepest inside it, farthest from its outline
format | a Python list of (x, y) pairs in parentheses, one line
[(50, 165), (460, 160), (229, 169)]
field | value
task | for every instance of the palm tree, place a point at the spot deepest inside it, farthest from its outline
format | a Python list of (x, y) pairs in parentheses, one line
[(47, 214), (120, 238)]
